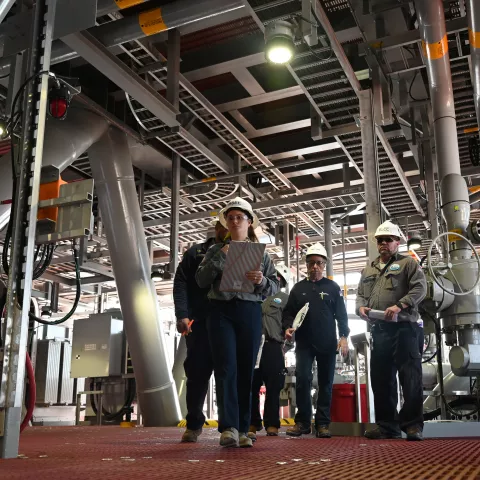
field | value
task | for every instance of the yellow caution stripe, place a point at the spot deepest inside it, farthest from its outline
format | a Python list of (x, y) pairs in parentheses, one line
[(434, 51), (474, 38), (121, 4), (284, 422), (151, 22)]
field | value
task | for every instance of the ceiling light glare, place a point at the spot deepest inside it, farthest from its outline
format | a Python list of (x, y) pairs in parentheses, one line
[(279, 44), (414, 240)]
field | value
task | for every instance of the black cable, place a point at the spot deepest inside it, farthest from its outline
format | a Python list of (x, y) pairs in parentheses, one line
[(410, 90), (429, 359), (77, 295), (130, 396), (315, 54)]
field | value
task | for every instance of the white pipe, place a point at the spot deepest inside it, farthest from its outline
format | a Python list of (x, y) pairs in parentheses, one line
[(115, 185)]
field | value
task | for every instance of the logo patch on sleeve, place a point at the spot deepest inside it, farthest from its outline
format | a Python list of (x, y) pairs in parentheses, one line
[(395, 267), (277, 300)]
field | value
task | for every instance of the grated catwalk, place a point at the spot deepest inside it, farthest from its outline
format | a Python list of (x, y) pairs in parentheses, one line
[(56, 453)]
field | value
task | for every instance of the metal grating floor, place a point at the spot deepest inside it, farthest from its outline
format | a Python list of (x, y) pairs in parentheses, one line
[(154, 453)]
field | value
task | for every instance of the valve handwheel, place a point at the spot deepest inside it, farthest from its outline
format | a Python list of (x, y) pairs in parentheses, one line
[(431, 268)]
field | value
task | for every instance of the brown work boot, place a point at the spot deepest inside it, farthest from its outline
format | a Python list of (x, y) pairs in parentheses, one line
[(245, 441), (272, 432), (191, 436), (252, 433), (299, 429), (414, 434), (322, 431), (378, 434)]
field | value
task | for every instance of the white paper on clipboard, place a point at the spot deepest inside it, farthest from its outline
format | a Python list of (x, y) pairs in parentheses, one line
[(242, 257), (260, 350)]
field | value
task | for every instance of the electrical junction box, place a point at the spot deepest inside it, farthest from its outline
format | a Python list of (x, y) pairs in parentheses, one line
[(98, 346)]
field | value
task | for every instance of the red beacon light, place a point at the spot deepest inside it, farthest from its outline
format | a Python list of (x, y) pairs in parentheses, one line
[(58, 102)]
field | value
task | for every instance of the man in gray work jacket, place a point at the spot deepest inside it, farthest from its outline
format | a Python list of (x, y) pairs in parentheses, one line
[(271, 370), (395, 285)]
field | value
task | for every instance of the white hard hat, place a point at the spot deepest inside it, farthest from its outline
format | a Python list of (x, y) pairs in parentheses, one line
[(238, 204), (283, 271), (317, 249), (388, 228)]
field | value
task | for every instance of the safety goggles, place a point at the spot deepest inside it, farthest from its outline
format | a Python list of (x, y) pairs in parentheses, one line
[(236, 218), (381, 240), (313, 263)]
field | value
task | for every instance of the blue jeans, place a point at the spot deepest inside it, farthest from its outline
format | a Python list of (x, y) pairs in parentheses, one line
[(304, 376), (234, 330), (198, 369)]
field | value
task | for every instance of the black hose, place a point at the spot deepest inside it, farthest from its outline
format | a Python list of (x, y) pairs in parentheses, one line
[(130, 397), (458, 402)]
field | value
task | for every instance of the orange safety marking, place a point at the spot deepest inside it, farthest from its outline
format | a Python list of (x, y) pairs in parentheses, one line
[(151, 22), (121, 4), (474, 38), (434, 51)]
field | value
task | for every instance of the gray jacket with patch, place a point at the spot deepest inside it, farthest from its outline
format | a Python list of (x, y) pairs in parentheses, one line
[(402, 280), (209, 274), (272, 312)]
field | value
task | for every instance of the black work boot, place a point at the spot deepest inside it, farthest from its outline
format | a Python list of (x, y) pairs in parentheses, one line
[(299, 429), (378, 434), (322, 431), (414, 434)]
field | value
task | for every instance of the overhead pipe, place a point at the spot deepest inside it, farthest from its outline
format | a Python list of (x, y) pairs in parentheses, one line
[(115, 185), (473, 15), (104, 7), (146, 23), (453, 189), (65, 141)]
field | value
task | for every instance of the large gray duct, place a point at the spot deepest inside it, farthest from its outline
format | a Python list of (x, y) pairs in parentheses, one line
[(452, 385), (115, 185), (473, 14), (171, 15), (104, 7), (454, 192), (65, 141)]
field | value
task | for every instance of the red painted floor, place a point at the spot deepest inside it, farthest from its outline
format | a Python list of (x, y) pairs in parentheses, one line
[(85, 453)]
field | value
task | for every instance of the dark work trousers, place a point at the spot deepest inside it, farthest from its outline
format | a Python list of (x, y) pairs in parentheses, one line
[(271, 373), (396, 348), (198, 369), (234, 331), (304, 376)]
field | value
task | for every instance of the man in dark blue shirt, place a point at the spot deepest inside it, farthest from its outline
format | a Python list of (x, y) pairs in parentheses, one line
[(316, 338), (191, 310)]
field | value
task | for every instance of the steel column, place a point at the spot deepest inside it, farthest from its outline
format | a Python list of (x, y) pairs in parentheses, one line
[(473, 14), (175, 214), (327, 227), (297, 249), (173, 68), (370, 170), (24, 228), (430, 187), (115, 184), (286, 242)]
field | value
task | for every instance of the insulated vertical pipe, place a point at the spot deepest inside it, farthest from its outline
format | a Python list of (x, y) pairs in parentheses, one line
[(473, 14), (327, 227), (431, 19), (115, 184), (453, 189)]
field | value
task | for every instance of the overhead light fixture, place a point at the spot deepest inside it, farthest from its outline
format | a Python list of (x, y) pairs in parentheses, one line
[(414, 241), (279, 42)]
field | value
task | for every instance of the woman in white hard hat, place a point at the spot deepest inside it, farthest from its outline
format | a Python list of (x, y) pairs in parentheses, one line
[(235, 324), (316, 338)]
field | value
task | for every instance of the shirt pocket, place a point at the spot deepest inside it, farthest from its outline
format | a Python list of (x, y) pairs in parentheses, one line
[(368, 283), (392, 280)]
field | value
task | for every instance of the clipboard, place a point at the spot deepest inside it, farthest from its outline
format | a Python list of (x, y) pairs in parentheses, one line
[(242, 257)]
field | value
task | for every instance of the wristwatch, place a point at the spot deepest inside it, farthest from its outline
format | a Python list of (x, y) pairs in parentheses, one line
[(400, 306)]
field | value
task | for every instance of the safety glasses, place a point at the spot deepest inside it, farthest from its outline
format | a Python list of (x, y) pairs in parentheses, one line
[(318, 263), (381, 240)]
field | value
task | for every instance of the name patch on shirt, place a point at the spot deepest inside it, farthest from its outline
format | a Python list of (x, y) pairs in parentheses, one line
[(277, 300), (395, 267)]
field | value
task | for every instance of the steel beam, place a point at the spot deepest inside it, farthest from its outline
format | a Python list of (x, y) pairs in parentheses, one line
[(97, 55), (175, 215), (248, 81), (398, 168), (279, 202), (336, 46), (257, 99), (328, 242), (286, 242), (370, 169)]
